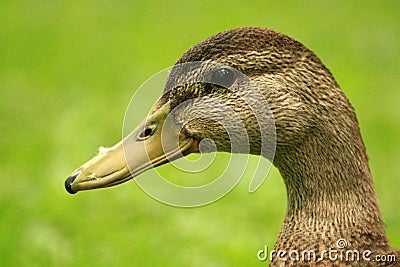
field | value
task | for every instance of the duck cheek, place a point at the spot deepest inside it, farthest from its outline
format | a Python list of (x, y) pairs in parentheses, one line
[(207, 145)]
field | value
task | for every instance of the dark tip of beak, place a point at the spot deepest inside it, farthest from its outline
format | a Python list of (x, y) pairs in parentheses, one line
[(69, 181)]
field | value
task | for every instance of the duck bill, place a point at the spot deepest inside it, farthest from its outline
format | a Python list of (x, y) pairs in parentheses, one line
[(157, 140)]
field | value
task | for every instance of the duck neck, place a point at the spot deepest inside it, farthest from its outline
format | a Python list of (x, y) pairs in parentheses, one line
[(330, 194)]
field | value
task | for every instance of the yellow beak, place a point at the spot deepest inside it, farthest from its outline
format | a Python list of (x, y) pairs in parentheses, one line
[(157, 140)]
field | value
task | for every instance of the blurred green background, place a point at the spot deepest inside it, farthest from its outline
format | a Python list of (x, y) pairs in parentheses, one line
[(68, 70)]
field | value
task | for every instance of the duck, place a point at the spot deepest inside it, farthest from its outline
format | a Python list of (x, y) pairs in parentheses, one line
[(298, 107)]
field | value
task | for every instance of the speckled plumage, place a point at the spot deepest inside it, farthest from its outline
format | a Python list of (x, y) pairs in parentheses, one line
[(319, 149)]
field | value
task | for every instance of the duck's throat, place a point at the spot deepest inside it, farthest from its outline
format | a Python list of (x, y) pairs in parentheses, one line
[(331, 197)]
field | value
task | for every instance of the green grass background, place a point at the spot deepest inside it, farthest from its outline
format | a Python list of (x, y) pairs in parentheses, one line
[(67, 72)]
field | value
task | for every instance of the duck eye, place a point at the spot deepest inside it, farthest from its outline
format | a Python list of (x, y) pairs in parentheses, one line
[(223, 77)]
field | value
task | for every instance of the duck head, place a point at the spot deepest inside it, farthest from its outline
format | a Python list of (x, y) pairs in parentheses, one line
[(249, 90)]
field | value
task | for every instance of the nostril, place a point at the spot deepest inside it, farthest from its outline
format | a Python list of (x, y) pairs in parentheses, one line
[(69, 181), (146, 133)]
